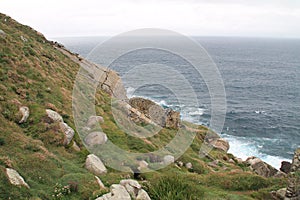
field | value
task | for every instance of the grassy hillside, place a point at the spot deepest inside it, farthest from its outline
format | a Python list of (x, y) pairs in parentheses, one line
[(35, 74)]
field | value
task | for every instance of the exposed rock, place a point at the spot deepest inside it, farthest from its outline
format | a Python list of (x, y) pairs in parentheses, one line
[(168, 159), (143, 164), (286, 167), (101, 185), (279, 194), (180, 163), (75, 146), (239, 160), (132, 187), (260, 167), (163, 117), (189, 165), (2, 33), (231, 161), (214, 164), (95, 138), (117, 192), (143, 195), (93, 120), (15, 178), (54, 115), (95, 165), (24, 110), (23, 38), (220, 143), (293, 189), (68, 131)]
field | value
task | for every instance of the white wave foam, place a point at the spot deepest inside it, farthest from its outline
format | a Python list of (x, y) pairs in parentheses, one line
[(199, 111), (245, 147)]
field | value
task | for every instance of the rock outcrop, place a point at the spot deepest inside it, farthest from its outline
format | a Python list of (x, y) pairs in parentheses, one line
[(24, 110), (160, 116), (286, 167), (15, 178), (67, 130), (94, 164), (260, 167), (127, 189), (293, 189), (220, 143)]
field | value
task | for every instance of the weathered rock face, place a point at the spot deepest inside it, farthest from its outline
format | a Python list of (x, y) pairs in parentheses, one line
[(163, 117), (95, 165), (143, 195), (15, 178), (286, 167), (117, 192), (260, 167), (132, 187), (220, 143), (293, 189), (95, 138), (67, 130), (24, 110)]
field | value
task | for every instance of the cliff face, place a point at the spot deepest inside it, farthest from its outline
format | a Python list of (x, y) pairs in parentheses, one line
[(42, 156)]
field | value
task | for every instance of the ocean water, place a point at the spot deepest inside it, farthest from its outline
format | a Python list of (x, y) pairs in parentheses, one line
[(262, 84)]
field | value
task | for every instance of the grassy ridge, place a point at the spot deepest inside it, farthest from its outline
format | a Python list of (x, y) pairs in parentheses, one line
[(35, 74)]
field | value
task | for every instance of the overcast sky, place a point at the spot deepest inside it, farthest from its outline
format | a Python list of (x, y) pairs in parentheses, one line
[(60, 18)]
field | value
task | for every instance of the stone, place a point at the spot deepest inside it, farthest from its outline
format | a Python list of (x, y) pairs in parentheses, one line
[(95, 138), (168, 159), (117, 192), (132, 187), (101, 185), (24, 110), (2, 33), (93, 120), (68, 131), (75, 147), (54, 115), (261, 168), (180, 163), (15, 178), (286, 167), (214, 164), (239, 160), (220, 143), (95, 165), (189, 165), (143, 195), (143, 164), (231, 161), (280, 194), (23, 38)]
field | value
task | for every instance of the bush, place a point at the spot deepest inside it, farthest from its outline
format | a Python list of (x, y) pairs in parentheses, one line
[(175, 188), (2, 142)]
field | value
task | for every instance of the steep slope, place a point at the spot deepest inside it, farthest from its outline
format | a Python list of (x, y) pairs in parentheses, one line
[(39, 74)]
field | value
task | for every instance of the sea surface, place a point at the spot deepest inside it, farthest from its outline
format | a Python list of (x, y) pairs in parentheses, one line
[(262, 84)]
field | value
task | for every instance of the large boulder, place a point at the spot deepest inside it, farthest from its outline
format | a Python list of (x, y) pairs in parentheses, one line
[(95, 138), (132, 187), (24, 110), (160, 116), (143, 195), (220, 143), (260, 167), (293, 189), (168, 159), (68, 131), (95, 165), (15, 178), (117, 192)]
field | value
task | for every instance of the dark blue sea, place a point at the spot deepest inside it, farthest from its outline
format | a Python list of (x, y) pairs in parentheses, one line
[(262, 84)]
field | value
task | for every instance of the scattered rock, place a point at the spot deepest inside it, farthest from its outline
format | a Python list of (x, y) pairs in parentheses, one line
[(214, 164), (143, 195), (101, 185), (54, 115), (220, 143), (189, 165), (23, 38), (260, 167), (179, 163), (93, 120), (286, 167), (279, 194), (95, 138), (95, 165), (231, 161), (168, 159), (68, 131), (15, 178), (24, 110)]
